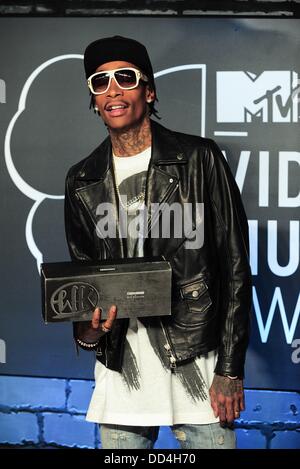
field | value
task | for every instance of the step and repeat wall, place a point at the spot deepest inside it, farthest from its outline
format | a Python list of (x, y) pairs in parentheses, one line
[(233, 80)]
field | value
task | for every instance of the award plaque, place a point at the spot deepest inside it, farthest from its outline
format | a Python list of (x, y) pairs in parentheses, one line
[(139, 287)]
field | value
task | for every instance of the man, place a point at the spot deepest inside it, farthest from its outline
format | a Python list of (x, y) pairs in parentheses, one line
[(183, 370)]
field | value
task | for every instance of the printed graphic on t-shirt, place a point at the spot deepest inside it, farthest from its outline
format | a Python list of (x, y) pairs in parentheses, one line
[(188, 374)]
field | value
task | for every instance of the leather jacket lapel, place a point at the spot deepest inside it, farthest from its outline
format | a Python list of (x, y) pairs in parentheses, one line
[(161, 184), (98, 195)]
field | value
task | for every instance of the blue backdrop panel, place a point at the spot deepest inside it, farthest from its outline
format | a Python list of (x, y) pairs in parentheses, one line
[(233, 80)]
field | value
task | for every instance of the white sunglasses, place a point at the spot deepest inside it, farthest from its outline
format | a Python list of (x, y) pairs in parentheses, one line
[(126, 78)]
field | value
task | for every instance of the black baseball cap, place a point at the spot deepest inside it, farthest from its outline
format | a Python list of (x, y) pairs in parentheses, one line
[(110, 49)]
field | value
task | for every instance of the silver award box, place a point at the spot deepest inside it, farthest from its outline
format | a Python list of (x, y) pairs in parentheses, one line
[(139, 287)]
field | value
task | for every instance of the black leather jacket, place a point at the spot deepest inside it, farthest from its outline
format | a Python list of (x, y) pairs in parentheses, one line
[(211, 292)]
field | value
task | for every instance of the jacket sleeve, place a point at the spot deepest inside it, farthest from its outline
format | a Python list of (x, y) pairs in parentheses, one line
[(231, 237), (78, 233)]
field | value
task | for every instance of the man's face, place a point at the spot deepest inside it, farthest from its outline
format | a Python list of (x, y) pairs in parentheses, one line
[(133, 102)]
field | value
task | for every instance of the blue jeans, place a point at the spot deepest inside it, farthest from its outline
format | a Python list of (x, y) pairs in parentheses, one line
[(208, 436)]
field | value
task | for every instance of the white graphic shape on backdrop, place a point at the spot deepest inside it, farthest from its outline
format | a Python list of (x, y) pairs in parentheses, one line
[(39, 196), (267, 97), (181, 68), (22, 185), (2, 91)]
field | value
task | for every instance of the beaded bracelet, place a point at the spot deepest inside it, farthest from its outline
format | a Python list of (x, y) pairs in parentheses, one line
[(85, 344)]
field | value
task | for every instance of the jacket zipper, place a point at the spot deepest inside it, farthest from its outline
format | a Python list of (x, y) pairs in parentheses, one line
[(168, 194), (168, 347)]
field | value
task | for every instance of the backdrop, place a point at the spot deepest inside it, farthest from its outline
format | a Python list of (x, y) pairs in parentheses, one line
[(235, 81)]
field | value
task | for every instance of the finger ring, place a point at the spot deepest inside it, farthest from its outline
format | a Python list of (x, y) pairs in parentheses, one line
[(105, 329)]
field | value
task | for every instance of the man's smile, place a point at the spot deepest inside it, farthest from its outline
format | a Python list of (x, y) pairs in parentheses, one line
[(116, 109)]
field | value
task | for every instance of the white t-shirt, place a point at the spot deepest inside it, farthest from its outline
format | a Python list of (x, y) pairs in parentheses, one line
[(146, 392)]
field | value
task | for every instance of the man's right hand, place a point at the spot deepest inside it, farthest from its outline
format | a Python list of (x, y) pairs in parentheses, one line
[(91, 331)]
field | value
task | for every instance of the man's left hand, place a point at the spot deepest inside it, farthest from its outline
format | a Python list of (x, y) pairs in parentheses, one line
[(227, 399)]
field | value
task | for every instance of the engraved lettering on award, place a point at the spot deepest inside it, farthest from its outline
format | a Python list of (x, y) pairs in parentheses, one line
[(136, 297), (74, 299), (135, 293)]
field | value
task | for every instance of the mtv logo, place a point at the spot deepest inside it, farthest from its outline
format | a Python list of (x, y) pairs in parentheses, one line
[(268, 97)]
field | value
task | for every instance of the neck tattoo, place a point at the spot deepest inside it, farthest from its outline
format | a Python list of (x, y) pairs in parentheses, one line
[(132, 141)]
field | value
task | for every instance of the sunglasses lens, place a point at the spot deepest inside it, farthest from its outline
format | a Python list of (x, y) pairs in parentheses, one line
[(100, 82), (126, 78)]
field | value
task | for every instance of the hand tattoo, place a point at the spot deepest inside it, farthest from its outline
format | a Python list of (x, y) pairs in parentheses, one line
[(227, 399), (227, 386)]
